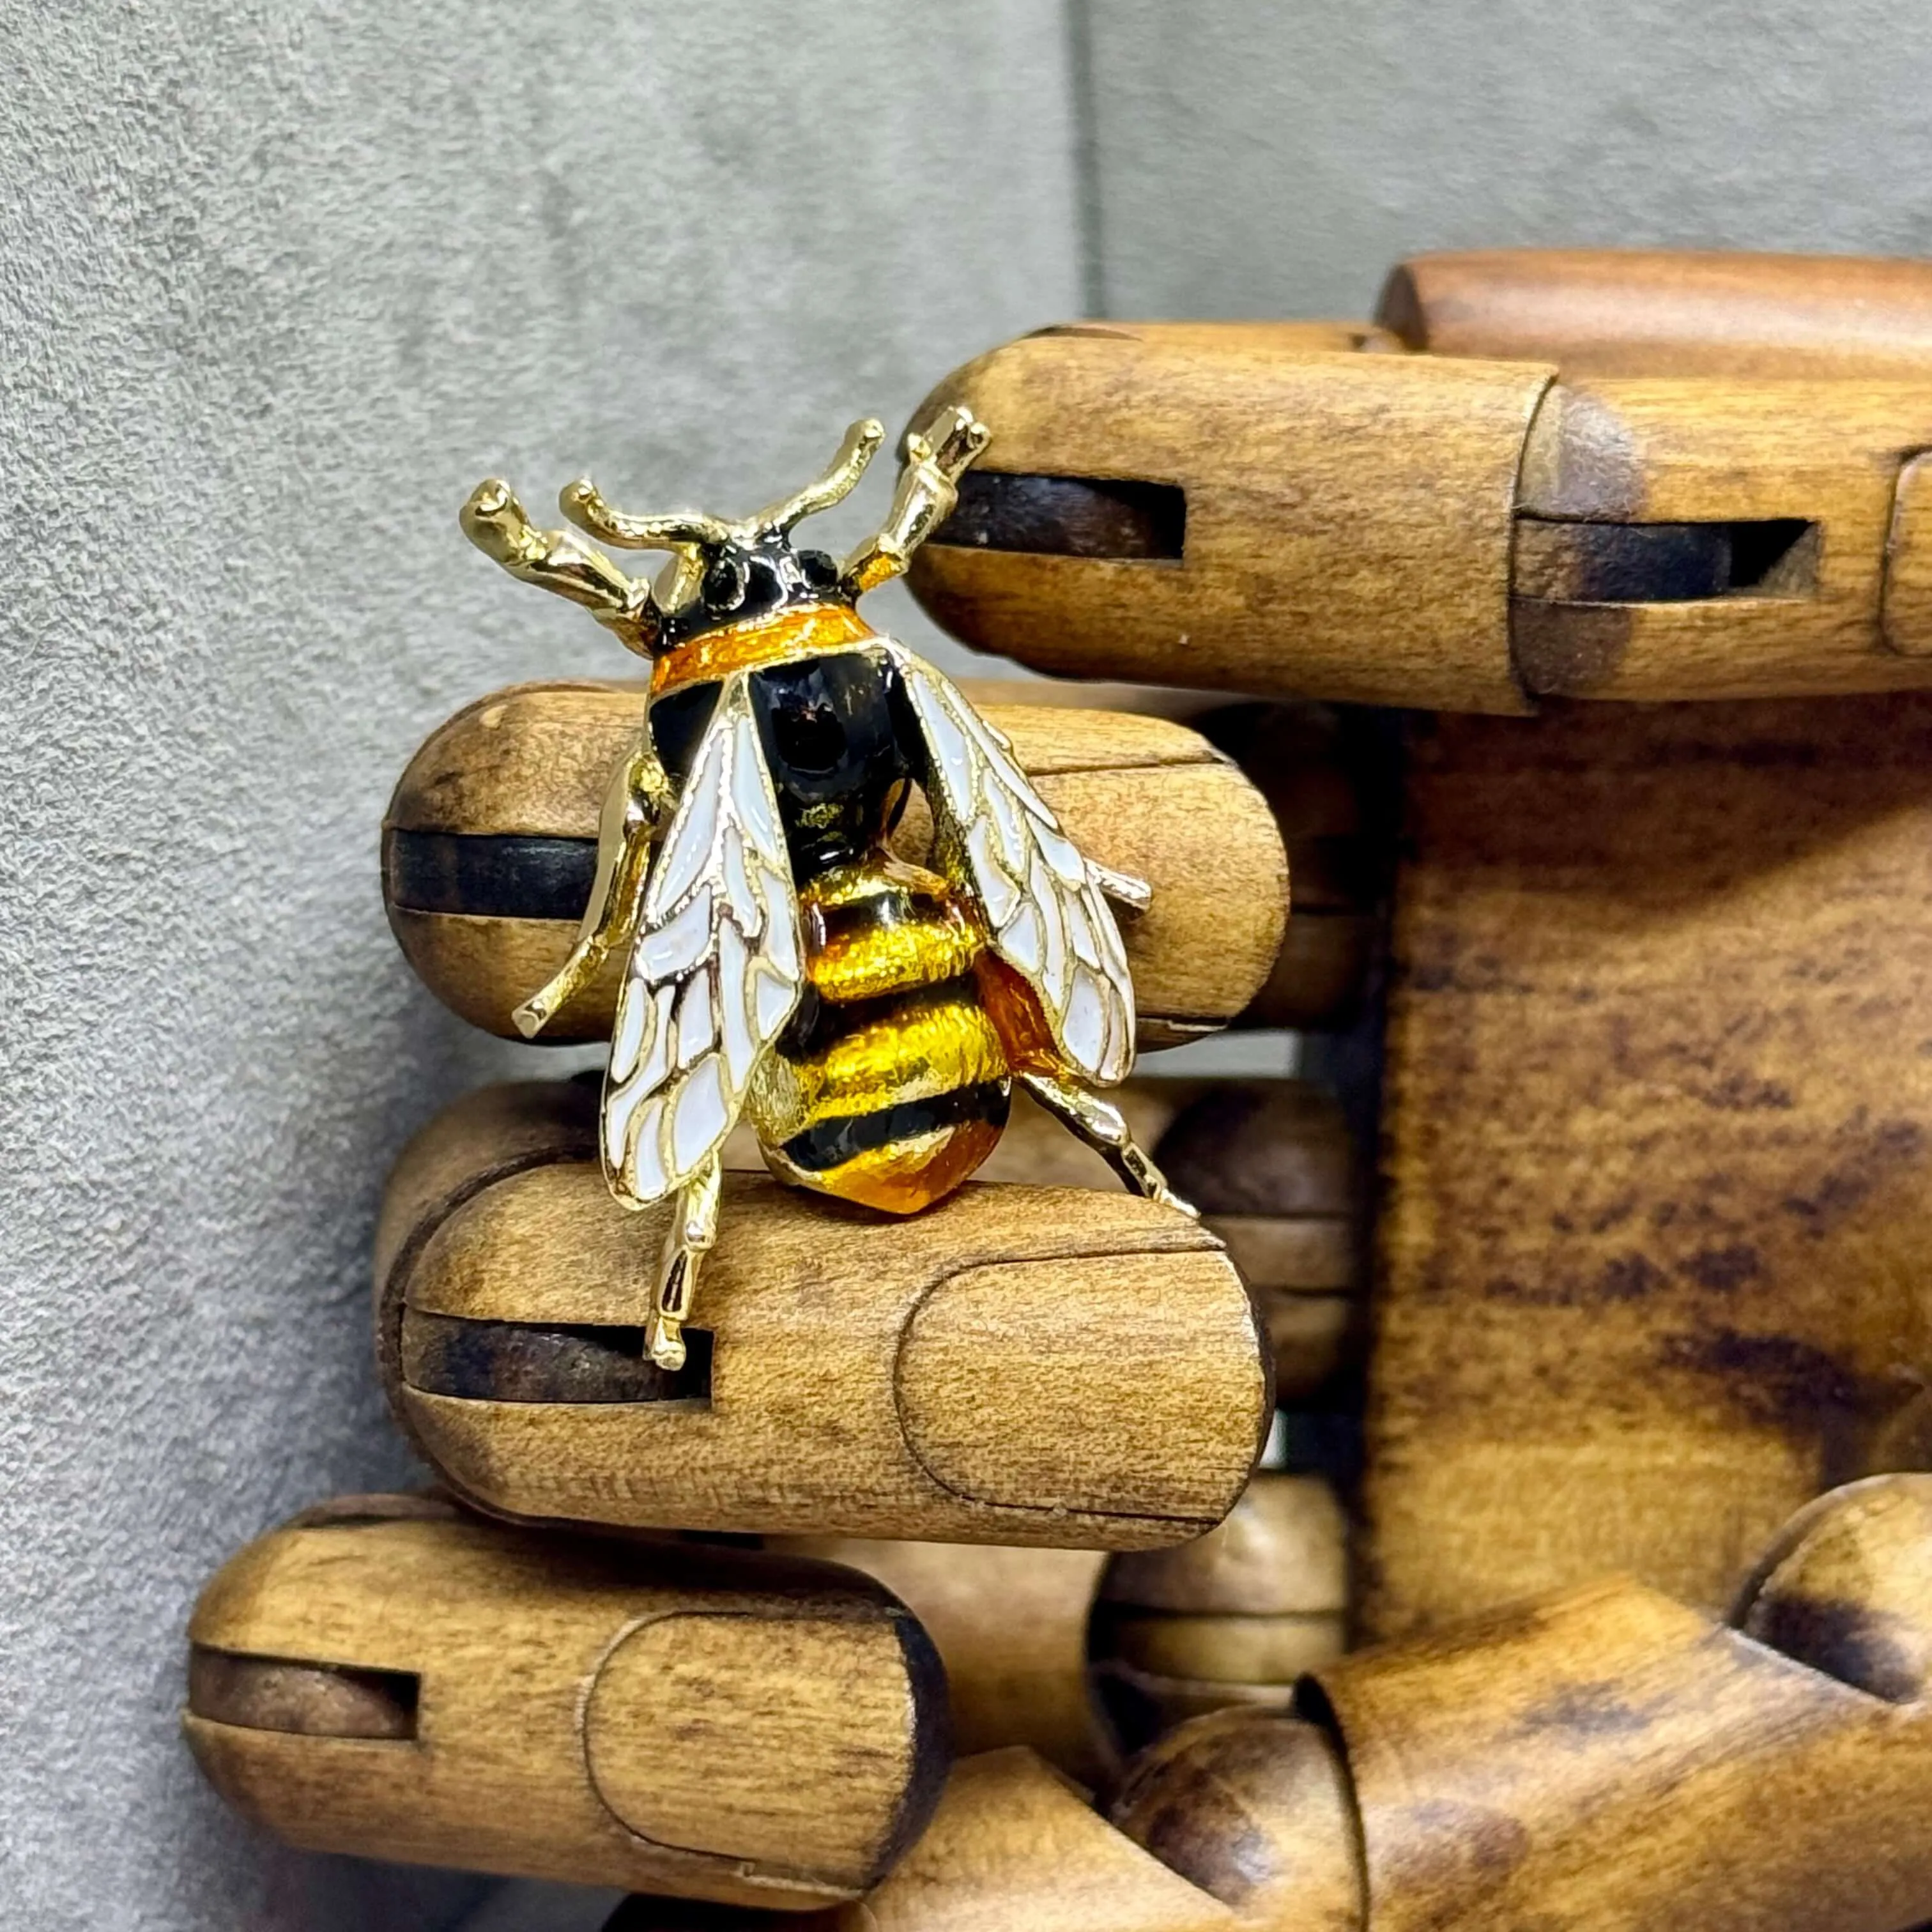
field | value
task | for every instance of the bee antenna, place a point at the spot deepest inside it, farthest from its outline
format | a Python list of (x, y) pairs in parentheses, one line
[(584, 504), (862, 442)]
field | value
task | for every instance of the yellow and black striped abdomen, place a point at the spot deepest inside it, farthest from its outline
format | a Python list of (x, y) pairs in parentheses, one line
[(891, 1084)]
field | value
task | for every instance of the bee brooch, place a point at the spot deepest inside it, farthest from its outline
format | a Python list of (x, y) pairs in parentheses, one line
[(868, 1018)]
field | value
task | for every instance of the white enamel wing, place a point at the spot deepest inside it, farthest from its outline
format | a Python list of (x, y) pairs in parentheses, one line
[(1046, 912), (716, 971)]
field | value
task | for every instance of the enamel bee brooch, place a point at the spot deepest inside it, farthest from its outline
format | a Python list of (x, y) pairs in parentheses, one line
[(868, 1018)]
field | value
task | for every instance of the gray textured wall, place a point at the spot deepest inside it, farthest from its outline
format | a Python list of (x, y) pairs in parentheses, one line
[(277, 284), (1251, 158)]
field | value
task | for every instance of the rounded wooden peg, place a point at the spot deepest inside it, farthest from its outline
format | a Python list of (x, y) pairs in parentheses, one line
[(489, 851), (1848, 1587), (1659, 312), (406, 1682), (1018, 1365), (1236, 1618), (1272, 1167), (1255, 1810)]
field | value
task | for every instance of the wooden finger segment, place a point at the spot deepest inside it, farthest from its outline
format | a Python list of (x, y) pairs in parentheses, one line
[(936, 1377), (1272, 1167), (1236, 1618), (1013, 1847), (1846, 1588), (1335, 525), (1327, 776), (1254, 1808), (1662, 312), (411, 1683), (1636, 1763), (1789, 488), (1010, 1626), (490, 849)]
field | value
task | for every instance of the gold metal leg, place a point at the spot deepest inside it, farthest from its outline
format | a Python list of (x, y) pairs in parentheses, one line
[(639, 795), (1104, 1128), (693, 1229)]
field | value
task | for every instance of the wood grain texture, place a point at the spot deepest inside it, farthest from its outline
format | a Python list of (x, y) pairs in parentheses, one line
[(718, 1724), (497, 1131), (1641, 451), (1601, 1760), (1237, 1617), (1010, 1626), (1322, 776), (1844, 1588), (1272, 1169), (1352, 520), (934, 1377), (1658, 1131), (1013, 1847), (1141, 794), (1619, 312), (1639, 1765), (1254, 1807), (1347, 516)]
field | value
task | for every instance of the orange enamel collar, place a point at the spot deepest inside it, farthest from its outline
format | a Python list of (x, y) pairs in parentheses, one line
[(784, 635)]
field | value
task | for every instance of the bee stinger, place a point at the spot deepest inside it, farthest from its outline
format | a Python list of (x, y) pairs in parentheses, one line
[(867, 1016)]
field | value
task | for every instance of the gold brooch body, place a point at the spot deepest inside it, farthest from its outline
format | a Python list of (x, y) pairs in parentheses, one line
[(867, 1017)]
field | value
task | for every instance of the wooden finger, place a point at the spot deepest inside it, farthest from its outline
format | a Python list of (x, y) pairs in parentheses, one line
[(1790, 488), (1329, 778), (1658, 312), (1440, 531), (431, 1688), (1603, 1757), (489, 850), (938, 1377)]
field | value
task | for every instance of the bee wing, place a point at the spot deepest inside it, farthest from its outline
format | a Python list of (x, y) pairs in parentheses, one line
[(1046, 915), (716, 971)]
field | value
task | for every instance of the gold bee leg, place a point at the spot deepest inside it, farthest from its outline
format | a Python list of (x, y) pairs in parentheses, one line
[(1104, 1128), (638, 797), (693, 1229)]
